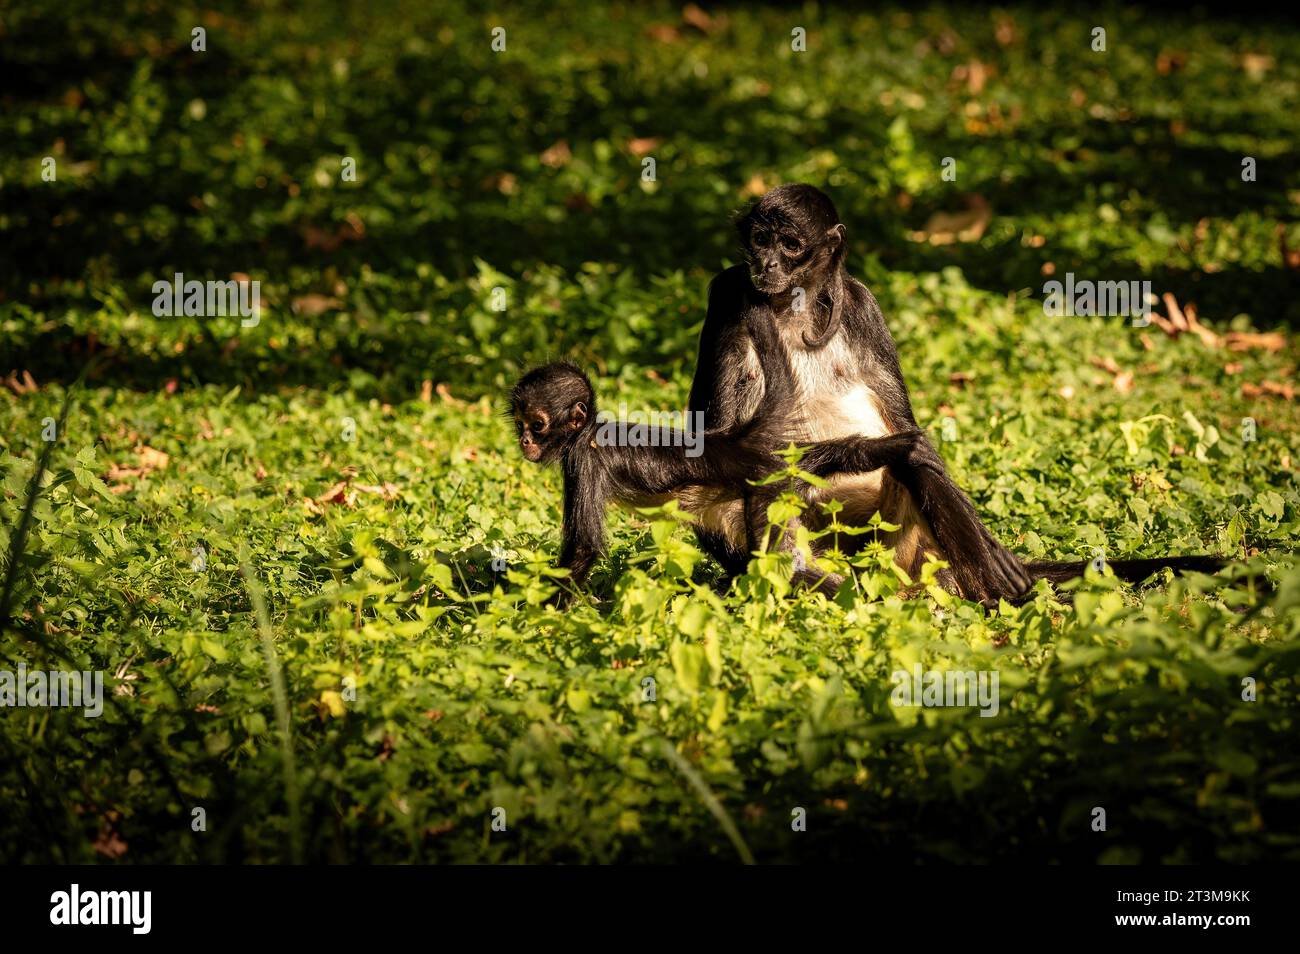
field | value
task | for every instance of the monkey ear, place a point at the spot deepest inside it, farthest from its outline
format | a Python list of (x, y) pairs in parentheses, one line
[(835, 235), (578, 416)]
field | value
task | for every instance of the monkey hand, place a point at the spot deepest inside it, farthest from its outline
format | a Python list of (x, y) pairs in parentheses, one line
[(861, 454)]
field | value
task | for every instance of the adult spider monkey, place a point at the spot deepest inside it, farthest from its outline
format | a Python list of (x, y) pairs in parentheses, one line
[(555, 416), (848, 381)]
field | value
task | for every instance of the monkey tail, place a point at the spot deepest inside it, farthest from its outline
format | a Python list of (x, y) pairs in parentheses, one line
[(833, 322), (1132, 571)]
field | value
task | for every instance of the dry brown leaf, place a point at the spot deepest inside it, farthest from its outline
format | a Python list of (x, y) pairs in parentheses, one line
[(755, 187), (693, 15), (345, 493), (352, 229), (1247, 340), (945, 228), (338, 494), (1290, 258), (663, 32), (974, 74), (1164, 324), (1269, 388), (1122, 380), (445, 394), (1176, 315), (151, 458), (1208, 337), (503, 182), (385, 490), (109, 843), (557, 155), (312, 305), (1256, 64), (642, 146), (20, 386), (1169, 61)]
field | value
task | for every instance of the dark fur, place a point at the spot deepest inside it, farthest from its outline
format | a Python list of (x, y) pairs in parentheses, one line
[(1134, 571), (560, 397), (793, 238)]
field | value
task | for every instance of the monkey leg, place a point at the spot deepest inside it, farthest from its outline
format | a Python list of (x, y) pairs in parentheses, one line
[(715, 543), (756, 504), (983, 569)]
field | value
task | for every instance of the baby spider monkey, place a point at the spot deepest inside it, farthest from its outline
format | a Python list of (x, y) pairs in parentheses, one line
[(555, 416)]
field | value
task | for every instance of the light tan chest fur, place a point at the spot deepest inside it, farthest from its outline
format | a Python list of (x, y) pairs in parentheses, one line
[(835, 402)]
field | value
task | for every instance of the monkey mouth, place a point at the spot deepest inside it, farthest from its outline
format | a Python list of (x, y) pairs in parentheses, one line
[(532, 452), (768, 284)]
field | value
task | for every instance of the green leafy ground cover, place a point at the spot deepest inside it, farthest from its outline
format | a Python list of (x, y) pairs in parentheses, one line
[(423, 688)]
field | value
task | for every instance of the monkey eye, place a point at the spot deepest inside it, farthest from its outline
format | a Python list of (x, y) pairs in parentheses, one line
[(790, 244), (536, 427), (761, 239)]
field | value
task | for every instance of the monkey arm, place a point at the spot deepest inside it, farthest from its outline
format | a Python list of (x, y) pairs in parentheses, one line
[(585, 494), (715, 389), (848, 455), (983, 568)]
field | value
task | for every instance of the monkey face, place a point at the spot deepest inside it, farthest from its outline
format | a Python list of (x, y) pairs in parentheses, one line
[(532, 427), (779, 258), (550, 407), (792, 238)]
